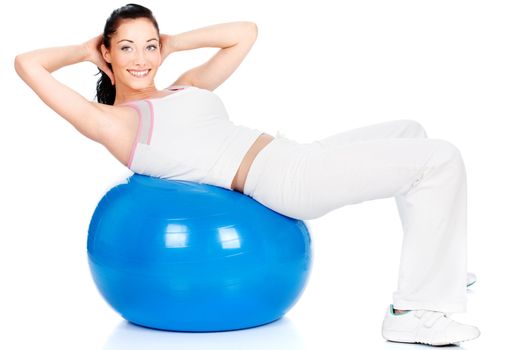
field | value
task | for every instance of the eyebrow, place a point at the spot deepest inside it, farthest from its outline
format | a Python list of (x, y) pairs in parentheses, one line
[(131, 41)]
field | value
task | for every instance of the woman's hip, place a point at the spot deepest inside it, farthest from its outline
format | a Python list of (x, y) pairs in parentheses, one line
[(274, 178)]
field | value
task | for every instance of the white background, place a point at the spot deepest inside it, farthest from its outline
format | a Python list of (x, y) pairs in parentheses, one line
[(317, 68)]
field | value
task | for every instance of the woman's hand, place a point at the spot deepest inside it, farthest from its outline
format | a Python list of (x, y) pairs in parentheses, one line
[(94, 55)]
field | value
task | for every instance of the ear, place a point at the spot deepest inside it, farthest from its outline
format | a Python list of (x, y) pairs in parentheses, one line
[(105, 53)]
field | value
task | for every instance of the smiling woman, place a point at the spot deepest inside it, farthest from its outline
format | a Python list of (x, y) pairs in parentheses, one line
[(128, 55)]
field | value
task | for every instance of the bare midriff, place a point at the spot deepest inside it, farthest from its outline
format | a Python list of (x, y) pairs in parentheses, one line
[(242, 173)]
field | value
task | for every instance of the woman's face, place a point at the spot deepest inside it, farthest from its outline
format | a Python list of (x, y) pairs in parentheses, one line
[(135, 54)]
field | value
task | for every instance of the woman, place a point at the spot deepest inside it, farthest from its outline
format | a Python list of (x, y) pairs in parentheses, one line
[(183, 132)]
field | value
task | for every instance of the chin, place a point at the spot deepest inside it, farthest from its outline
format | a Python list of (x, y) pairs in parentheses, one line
[(136, 85)]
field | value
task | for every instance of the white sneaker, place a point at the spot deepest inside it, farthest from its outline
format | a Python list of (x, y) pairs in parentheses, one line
[(426, 327)]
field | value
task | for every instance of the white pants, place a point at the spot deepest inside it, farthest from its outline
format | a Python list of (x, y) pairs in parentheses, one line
[(427, 177)]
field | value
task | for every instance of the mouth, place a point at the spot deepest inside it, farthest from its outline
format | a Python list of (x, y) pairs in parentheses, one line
[(139, 73)]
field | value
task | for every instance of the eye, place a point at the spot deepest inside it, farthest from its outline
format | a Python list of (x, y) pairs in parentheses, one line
[(152, 47), (125, 48)]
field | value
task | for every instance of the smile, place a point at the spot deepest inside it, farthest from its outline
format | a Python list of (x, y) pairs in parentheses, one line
[(139, 73)]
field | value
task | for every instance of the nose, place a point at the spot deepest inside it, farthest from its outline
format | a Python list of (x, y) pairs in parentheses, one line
[(140, 58)]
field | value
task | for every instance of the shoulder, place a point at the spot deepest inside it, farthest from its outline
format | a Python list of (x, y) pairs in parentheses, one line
[(119, 130), (115, 117)]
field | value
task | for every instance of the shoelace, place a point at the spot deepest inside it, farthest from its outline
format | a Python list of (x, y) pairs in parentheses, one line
[(429, 317)]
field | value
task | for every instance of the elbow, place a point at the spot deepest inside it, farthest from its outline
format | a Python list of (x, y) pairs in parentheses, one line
[(254, 29), (19, 64), (250, 29), (253, 26), (25, 65)]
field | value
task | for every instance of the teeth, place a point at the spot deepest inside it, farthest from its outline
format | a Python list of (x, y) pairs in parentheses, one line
[(138, 73)]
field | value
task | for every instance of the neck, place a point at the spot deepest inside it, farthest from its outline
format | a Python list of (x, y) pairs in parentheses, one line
[(124, 94)]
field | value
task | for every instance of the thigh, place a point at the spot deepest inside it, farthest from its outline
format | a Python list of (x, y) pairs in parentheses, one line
[(306, 181), (404, 128), (340, 175)]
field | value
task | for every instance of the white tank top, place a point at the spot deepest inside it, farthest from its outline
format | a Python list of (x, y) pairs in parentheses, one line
[(187, 135)]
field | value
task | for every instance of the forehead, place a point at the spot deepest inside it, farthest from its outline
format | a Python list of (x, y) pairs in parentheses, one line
[(136, 29)]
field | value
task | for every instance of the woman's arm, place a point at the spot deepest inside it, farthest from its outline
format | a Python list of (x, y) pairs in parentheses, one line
[(35, 68), (235, 40)]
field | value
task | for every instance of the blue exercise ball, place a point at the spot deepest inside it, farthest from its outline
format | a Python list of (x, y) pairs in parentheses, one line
[(184, 256)]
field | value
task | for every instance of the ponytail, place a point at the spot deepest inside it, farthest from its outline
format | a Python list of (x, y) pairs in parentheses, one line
[(106, 91)]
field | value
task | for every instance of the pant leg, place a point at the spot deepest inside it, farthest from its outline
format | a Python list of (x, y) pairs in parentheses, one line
[(426, 176), (406, 297), (433, 214)]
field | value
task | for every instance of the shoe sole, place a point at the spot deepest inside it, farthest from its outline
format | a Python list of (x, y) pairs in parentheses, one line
[(406, 337)]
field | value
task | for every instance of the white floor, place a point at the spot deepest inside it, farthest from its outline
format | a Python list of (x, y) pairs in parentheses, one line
[(50, 300)]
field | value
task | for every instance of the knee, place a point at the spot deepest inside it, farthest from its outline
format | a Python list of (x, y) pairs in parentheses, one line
[(447, 152), (413, 129), (449, 148)]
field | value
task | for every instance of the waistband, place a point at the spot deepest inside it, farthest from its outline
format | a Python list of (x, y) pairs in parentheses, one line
[(278, 147)]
